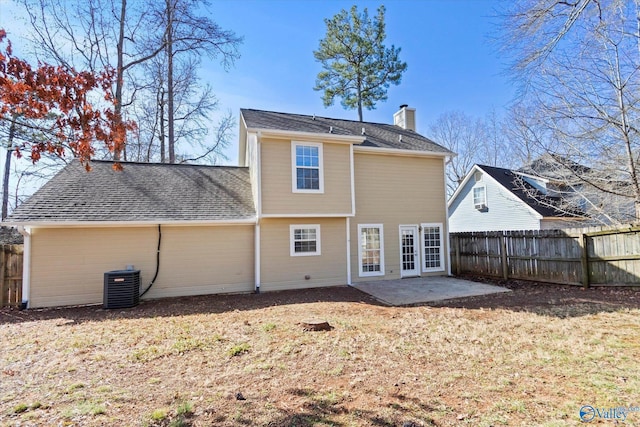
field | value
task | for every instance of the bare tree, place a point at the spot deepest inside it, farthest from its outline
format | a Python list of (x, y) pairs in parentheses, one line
[(211, 149), (15, 132), (524, 129), (498, 149), (580, 67), (27, 176), (193, 105), (533, 29), (128, 35), (188, 35), (95, 34), (475, 140), (463, 135)]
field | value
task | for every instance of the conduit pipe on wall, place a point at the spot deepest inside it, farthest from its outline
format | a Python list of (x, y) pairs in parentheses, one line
[(155, 276)]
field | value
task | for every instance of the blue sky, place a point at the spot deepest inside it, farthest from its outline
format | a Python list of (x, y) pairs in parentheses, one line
[(452, 64)]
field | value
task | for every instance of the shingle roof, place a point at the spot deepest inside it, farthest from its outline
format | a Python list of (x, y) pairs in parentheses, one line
[(140, 192), (555, 168), (526, 192), (376, 134)]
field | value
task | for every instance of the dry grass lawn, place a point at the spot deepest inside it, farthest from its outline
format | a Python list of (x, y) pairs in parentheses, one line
[(244, 360)]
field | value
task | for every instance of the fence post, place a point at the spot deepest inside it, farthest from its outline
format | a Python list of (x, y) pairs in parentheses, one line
[(505, 260), (456, 247), (585, 261), (4, 285)]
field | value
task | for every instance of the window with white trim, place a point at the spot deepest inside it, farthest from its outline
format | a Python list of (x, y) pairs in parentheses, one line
[(305, 239), (371, 250), (306, 166), (480, 197), (432, 248)]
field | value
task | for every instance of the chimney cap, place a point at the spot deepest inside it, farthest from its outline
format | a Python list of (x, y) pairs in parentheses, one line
[(404, 106)]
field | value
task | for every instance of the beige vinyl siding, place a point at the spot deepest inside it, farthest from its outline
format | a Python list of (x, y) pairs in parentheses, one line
[(68, 265), (394, 191), (282, 271), (276, 174)]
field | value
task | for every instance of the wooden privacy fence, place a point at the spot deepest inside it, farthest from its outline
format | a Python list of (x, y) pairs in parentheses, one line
[(11, 275), (587, 256)]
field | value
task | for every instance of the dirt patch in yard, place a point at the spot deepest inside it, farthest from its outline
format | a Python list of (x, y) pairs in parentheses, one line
[(531, 356), (184, 306)]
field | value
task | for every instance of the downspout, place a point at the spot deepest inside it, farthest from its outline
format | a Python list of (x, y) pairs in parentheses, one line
[(26, 267), (353, 212), (258, 213), (257, 256), (446, 212), (348, 251)]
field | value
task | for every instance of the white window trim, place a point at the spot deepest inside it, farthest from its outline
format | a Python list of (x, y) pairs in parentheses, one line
[(294, 177), (292, 248), (370, 273), (473, 198), (423, 248)]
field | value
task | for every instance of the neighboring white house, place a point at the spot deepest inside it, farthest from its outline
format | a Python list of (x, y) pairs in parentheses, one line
[(495, 199)]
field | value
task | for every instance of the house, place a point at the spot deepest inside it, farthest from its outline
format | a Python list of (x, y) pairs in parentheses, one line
[(495, 199), (608, 204), (314, 202)]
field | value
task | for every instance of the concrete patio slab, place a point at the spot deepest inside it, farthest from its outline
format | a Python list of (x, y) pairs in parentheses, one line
[(424, 289)]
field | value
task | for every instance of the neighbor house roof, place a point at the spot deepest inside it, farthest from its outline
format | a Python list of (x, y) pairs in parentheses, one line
[(141, 192), (526, 192), (555, 167), (376, 134)]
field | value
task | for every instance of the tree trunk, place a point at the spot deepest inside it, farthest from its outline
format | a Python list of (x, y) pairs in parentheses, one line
[(7, 169), (163, 139), (170, 112), (624, 122), (120, 72), (359, 100)]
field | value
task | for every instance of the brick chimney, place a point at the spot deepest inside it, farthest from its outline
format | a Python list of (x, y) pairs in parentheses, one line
[(405, 118)]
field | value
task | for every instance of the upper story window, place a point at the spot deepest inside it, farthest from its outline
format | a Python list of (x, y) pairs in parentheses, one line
[(306, 165), (480, 197)]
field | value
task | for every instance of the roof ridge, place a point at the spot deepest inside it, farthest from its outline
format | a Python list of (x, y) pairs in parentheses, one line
[(496, 167), (317, 117)]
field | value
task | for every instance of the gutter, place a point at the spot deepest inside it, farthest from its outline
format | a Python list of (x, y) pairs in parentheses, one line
[(124, 223), (26, 267), (401, 152), (264, 132)]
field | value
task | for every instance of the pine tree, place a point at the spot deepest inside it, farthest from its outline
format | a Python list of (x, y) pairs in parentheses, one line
[(356, 65)]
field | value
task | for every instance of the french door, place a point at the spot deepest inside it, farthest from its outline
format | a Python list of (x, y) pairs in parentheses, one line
[(409, 244)]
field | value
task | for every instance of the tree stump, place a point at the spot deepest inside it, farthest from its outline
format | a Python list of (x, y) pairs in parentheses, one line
[(314, 325)]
